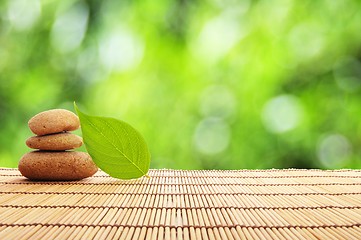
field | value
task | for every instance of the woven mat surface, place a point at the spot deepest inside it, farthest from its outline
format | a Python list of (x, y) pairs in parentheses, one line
[(176, 204)]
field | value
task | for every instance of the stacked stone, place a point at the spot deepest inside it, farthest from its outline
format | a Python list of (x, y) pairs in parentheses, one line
[(52, 160)]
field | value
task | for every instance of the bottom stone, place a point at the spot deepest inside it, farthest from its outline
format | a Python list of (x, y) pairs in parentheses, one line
[(57, 166)]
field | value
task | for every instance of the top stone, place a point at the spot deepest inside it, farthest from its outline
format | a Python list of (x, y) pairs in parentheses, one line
[(53, 121)]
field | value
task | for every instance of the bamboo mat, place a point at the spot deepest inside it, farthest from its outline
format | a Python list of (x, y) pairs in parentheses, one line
[(176, 204)]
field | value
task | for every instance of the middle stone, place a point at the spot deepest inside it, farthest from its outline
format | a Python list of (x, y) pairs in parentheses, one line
[(56, 142)]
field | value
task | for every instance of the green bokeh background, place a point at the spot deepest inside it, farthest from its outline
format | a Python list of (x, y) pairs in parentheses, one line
[(210, 84)]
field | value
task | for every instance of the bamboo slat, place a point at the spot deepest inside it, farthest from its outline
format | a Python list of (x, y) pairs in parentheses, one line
[(185, 204)]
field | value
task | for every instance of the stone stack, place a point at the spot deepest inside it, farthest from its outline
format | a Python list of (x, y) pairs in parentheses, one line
[(52, 160)]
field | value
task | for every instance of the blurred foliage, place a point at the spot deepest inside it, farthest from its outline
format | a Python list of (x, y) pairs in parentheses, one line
[(210, 84)]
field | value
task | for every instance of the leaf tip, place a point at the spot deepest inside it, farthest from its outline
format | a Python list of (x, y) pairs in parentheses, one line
[(78, 112), (75, 107)]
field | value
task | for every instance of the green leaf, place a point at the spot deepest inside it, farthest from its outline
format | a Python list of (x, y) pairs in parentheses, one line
[(115, 146)]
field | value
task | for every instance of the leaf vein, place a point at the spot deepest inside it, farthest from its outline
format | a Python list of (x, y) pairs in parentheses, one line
[(101, 133), (110, 126)]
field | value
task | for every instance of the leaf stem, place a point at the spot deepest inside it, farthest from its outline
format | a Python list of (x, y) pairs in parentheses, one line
[(147, 176)]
